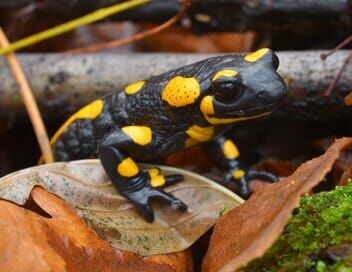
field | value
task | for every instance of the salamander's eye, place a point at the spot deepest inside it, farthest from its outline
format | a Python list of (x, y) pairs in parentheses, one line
[(275, 61), (226, 88)]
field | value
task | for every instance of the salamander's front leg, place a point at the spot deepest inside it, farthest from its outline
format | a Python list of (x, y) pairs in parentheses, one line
[(226, 154), (136, 185)]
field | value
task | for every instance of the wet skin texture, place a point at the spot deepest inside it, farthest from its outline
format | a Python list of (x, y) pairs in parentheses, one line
[(152, 119)]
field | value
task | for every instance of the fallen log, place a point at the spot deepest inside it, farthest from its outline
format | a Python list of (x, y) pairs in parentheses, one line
[(62, 82)]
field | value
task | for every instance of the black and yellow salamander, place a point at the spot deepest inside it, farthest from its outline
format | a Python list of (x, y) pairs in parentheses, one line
[(154, 118)]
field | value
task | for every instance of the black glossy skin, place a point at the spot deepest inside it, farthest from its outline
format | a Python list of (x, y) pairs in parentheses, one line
[(256, 89)]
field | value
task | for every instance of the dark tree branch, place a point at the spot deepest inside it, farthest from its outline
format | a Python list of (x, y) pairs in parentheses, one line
[(214, 15), (62, 83)]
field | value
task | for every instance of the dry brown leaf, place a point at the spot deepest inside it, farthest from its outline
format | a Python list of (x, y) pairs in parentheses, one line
[(85, 187), (246, 232), (176, 39), (32, 242)]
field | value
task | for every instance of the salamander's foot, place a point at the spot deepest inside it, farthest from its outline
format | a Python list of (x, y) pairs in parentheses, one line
[(144, 188), (242, 179)]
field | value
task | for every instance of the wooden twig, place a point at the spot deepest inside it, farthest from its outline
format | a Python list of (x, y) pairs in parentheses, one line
[(337, 48), (337, 77), (29, 102), (134, 38)]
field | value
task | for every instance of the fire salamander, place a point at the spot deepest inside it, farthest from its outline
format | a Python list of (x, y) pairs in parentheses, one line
[(154, 118)]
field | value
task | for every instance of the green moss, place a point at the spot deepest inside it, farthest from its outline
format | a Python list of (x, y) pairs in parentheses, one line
[(320, 228)]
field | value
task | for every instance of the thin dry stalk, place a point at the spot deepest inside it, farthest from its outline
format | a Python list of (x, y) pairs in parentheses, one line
[(29, 102), (134, 38)]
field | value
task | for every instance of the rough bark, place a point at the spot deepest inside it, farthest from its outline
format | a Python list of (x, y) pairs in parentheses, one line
[(62, 83), (214, 15)]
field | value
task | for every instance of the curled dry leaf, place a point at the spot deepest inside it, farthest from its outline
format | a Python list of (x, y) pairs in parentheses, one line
[(60, 241), (84, 185), (246, 232)]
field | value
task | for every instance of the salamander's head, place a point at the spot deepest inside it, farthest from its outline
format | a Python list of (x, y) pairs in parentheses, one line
[(242, 88)]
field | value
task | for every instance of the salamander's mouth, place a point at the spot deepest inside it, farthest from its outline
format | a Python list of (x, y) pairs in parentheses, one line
[(239, 115), (243, 113)]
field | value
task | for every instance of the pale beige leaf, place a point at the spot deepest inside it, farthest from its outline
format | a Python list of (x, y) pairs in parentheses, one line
[(84, 185)]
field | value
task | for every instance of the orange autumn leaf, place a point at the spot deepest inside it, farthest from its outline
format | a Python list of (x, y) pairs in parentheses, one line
[(60, 241), (246, 232)]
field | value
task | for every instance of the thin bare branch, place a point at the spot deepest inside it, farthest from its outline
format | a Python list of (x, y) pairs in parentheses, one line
[(134, 38)]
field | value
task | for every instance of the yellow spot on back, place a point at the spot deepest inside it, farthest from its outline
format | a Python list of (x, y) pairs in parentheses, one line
[(134, 87), (230, 150), (225, 73), (90, 111), (206, 105), (181, 91), (237, 174), (139, 134), (127, 168), (200, 134), (255, 56)]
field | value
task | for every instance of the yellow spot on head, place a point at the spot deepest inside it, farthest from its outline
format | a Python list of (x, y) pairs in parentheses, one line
[(127, 168), (200, 134), (90, 111), (181, 91), (255, 56), (134, 87), (139, 134), (237, 174), (230, 150), (225, 73), (206, 106), (157, 181)]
